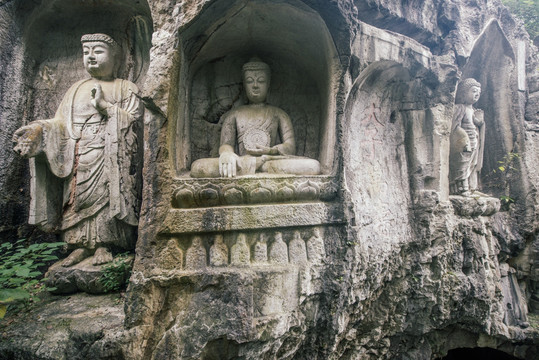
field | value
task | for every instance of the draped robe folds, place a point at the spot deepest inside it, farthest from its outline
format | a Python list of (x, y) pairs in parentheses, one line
[(465, 166), (85, 183), (274, 122)]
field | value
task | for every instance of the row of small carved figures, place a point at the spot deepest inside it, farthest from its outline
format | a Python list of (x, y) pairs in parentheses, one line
[(297, 252)]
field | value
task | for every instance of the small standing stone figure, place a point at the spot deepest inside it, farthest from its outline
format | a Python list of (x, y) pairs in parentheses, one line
[(278, 251), (261, 250), (315, 247), (240, 255), (85, 162), (219, 252), (195, 258), (297, 250), (467, 140), (172, 256)]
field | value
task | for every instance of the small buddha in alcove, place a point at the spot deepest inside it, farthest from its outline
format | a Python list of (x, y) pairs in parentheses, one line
[(467, 140), (257, 137)]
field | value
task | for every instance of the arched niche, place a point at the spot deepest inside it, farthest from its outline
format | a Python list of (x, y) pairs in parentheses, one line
[(52, 44), (289, 36), (491, 62), (376, 171)]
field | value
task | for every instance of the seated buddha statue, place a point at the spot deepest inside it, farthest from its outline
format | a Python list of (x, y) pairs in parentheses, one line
[(257, 137)]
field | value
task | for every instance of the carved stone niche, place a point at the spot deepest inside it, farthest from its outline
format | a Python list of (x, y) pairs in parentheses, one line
[(491, 63), (53, 54), (295, 42)]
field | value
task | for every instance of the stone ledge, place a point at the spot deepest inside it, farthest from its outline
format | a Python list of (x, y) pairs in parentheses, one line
[(475, 205), (82, 276), (251, 217)]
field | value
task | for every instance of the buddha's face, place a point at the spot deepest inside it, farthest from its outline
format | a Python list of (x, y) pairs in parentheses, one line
[(473, 94), (98, 59), (256, 83)]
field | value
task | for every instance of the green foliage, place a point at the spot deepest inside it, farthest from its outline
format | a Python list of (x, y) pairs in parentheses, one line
[(116, 274), (506, 165), (528, 11), (21, 271), (507, 168)]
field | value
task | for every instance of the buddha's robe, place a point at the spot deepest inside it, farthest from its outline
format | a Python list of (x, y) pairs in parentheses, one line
[(269, 124), (86, 181)]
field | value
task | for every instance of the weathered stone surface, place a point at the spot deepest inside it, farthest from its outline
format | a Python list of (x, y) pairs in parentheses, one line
[(218, 252), (83, 276), (471, 206), (80, 326), (297, 252), (239, 254)]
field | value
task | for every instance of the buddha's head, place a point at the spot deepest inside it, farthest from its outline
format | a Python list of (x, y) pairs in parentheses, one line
[(99, 54), (468, 92), (256, 80)]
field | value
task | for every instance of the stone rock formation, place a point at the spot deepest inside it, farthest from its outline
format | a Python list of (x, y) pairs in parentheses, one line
[(392, 264)]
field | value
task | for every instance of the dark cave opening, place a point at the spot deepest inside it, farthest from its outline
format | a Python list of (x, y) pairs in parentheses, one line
[(477, 354)]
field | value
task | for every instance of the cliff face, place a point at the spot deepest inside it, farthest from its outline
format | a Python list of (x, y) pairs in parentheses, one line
[(380, 261)]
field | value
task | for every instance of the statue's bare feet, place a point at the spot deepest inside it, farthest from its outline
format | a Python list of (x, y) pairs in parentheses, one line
[(479, 193), (102, 256), (75, 257)]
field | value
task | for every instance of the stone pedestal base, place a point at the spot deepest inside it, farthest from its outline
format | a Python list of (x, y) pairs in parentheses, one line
[(80, 277), (475, 205)]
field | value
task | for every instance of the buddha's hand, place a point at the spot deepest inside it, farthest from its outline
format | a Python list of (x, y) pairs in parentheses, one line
[(264, 150), (28, 140), (98, 99), (479, 117), (228, 164), (467, 147)]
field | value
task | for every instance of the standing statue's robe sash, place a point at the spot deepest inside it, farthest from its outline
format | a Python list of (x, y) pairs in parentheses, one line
[(51, 169)]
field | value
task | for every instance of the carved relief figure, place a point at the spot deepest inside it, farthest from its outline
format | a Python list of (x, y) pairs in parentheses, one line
[(84, 161), (467, 140), (256, 137)]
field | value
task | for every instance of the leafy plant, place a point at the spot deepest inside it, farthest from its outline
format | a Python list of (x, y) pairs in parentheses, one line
[(115, 274), (528, 11), (506, 165), (21, 272), (505, 170)]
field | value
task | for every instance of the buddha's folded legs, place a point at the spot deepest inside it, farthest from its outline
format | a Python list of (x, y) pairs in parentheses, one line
[(248, 165), (293, 166), (202, 168)]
